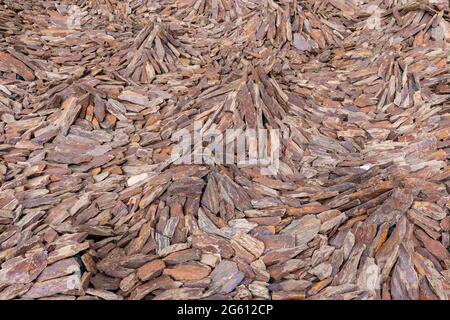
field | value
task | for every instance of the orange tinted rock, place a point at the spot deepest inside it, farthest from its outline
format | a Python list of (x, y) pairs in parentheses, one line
[(184, 272)]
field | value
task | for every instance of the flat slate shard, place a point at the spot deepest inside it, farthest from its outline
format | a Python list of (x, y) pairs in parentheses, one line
[(66, 251), (303, 44), (282, 255), (11, 64), (59, 269), (224, 149), (186, 272), (182, 256), (14, 290), (162, 282), (404, 281), (23, 270), (180, 294), (249, 243), (304, 229), (133, 97), (226, 277), (54, 286), (150, 270)]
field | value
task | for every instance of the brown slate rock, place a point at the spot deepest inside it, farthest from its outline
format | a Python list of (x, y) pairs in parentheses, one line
[(67, 251), (11, 64), (51, 287), (24, 270), (151, 270), (251, 244), (279, 241), (351, 204), (103, 282), (162, 282), (226, 277), (291, 295), (304, 229), (14, 290), (445, 224), (180, 294), (306, 210), (281, 255), (59, 269), (182, 256), (186, 272), (404, 280)]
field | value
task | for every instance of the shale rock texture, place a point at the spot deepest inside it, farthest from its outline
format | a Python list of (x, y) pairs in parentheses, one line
[(94, 206)]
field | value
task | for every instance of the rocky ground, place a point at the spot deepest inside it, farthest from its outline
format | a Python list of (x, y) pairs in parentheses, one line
[(93, 205)]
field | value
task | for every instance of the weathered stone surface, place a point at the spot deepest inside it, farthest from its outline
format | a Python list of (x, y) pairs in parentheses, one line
[(103, 282), (151, 270), (279, 241), (60, 269), (301, 43), (249, 243), (404, 280), (14, 290), (66, 251), (224, 150), (51, 287), (322, 270), (182, 256), (281, 255), (103, 294), (304, 229), (184, 272), (162, 282), (180, 294), (226, 277), (435, 247), (23, 270), (445, 224), (280, 270), (292, 295), (133, 97)]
